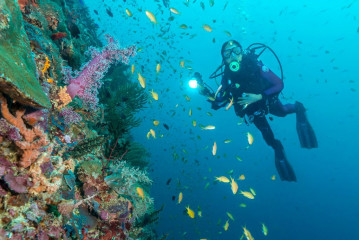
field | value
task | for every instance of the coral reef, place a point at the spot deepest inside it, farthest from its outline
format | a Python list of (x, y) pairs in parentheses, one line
[(68, 166)]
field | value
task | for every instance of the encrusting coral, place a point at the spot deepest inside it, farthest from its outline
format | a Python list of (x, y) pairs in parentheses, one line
[(34, 138)]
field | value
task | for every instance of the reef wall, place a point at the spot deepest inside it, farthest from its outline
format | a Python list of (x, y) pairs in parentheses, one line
[(68, 166)]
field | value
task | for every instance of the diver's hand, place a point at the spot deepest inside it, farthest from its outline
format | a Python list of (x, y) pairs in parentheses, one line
[(249, 98)]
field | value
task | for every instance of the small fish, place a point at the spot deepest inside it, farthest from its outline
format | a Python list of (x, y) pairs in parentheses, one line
[(183, 26), (209, 114), (214, 149), (230, 104), (211, 3), (188, 98), (247, 234), (128, 12), (234, 186), (180, 197), (207, 28), (148, 135), (174, 11), (239, 158), (142, 80), (166, 126), (243, 205), (182, 63), (227, 141), (190, 112), (153, 133), (194, 123), (230, 216), (133, 68), (109, 12), (199, 213), (154, 95), (252, 191), (140, 192), (250, 138), (273, 177), (247, 195), (209, 127), (151, 17), (226, 225), (207, 185), (158, 68), (155, 122), (242, 177), (168, 181), (264, 229), (228, 33), (222, 179), (190, 212), (96, 12)]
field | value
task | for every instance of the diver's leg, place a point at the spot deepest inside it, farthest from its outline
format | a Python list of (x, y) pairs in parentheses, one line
[(284, 169), (280, 110)]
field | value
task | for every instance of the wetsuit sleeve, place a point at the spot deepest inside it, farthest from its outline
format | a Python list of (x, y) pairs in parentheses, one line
[(276, 84)]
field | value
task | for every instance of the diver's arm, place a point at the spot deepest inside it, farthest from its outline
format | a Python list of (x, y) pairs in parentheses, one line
[(277, 84), (216, 99)]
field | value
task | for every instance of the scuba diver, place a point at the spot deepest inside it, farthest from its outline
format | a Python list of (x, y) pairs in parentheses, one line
[(253, 90)]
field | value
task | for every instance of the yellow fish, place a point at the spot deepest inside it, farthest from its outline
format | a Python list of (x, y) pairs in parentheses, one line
[(252, 191), (174, 11), (190, 112), (207, 28), (247, 234), (250, 138), (247, 195), (273, 177), (242, 177), (194, 123), (238, 158), (142, 80), (227, 141), (190, 212), (230, 216), (199, 213), (154, 95), (214, 149), (148, 135), (155, 122), (128, 12), (226, 225), (243, 205), (153, 133), (140, 192), (264, 229), (133, 68), (183, 26), (222, 179), (151, 17), (209, 127), (158, 68), (180, 197), (230, 104), (187, 98), (182, 63), (234, 186)]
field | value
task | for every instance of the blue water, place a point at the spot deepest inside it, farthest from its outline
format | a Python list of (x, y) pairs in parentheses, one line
[(317, 43)]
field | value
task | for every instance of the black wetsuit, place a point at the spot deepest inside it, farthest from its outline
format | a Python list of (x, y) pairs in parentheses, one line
[(254, 77)]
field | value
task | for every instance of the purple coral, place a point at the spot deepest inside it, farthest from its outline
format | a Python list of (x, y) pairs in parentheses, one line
[(70, 116), (87, 82), (9, 131)]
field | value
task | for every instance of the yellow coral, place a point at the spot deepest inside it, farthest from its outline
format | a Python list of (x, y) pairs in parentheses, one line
[(46, 66)]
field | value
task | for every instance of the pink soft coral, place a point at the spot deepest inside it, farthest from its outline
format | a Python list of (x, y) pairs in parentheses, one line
[(86, 83)]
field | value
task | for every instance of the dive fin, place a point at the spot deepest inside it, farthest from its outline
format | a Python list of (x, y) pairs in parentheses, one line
[(305, 131), (284, 169)]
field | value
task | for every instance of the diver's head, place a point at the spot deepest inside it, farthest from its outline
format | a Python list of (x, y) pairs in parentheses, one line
[(232, 54)]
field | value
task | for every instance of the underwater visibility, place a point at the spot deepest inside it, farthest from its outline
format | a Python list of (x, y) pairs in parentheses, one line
[(179, 120)]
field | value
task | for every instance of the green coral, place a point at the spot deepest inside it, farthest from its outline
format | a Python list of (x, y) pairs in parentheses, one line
[(87, 146), (17, 66)]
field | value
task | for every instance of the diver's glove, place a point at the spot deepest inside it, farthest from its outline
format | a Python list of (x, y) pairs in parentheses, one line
[(198, 77)]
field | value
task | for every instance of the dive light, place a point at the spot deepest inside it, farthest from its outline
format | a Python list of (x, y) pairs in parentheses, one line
[(193, 83)]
